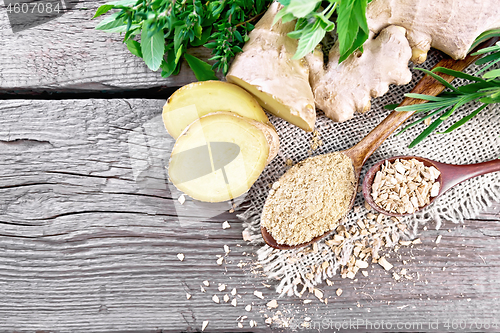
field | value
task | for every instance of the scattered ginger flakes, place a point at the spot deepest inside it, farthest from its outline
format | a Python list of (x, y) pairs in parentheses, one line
[(272, 304), (309, 199), (339, 292), (385, 264)]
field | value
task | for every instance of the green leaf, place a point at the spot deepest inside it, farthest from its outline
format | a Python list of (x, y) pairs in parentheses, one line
[(426, 132), (458, 74), (485, 36), (205, 35), (358, 44), (490, 64), (152, 48), (421, 120), (102, 10), (391, 106), (280, 15), (426, 97), (201, 69), (488, 58), (113, 23), (324, 22), (488, 49), (301, 8), (310, 37), (352, 28), (493, 98), (492, 74), (125, 3), (134, 47), (169, 66), (426, 106), (463, 120), (438, 78)]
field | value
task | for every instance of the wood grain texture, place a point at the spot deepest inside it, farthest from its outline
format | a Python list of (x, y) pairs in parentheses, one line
[(89, 237), (68, 55)]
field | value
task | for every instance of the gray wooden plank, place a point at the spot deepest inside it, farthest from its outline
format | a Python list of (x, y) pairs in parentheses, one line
[(89, 240), (67, 55)]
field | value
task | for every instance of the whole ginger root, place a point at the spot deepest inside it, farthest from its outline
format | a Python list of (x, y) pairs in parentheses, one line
[(348, 87), (450, 26)]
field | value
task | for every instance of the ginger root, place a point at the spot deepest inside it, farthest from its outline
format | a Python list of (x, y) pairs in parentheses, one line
[(447, 25), (266, 70), (348, 87)]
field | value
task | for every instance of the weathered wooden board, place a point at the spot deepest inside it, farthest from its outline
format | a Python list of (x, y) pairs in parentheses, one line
[(68, 55), (89, 237)]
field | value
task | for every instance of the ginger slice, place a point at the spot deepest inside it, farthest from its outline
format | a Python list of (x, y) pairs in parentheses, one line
[(266, 70), (218, 157), (200, 98), (348, 87)]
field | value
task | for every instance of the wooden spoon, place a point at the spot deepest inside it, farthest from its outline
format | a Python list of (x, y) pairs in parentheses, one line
[(361, 151), (450, 176)]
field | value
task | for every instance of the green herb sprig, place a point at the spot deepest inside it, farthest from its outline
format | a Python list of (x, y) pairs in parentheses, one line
[(167, 28), (314, 21), (484, 87)]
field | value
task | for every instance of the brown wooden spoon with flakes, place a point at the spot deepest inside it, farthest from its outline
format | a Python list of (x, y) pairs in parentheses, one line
[(361, 151), (450, 175)]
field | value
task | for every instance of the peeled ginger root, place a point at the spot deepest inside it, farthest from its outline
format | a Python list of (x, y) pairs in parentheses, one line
[(219, 156)]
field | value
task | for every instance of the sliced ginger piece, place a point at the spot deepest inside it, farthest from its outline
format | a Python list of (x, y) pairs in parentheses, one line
[(266, 70), (218, 157), (200, 98)]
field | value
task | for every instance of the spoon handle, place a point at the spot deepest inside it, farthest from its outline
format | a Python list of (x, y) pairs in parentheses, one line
[(427, 85), (452, 175)]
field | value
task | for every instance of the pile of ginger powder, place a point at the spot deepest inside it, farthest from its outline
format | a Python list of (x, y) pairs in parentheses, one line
[(309, 199)]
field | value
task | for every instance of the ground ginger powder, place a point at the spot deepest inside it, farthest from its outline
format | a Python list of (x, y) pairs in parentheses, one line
[(309, 199)]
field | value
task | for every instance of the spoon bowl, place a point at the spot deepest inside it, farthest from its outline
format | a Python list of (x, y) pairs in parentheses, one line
[(450, 175)]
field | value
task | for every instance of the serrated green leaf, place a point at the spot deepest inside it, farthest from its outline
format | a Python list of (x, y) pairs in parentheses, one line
[(202, 70), (310, 37), (134, 47), (153, 48), (352, 28)]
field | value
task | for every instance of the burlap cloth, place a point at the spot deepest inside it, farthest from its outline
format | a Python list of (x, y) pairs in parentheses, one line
[(476, 141)]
